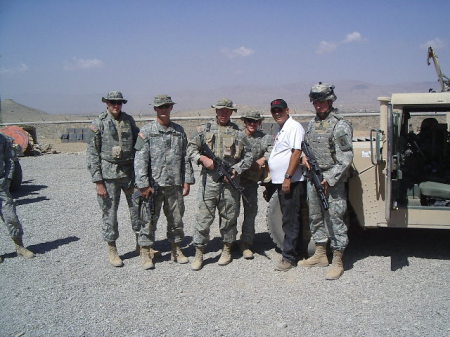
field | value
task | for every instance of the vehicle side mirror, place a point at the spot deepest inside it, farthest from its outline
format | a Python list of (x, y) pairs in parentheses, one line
[(376, 151)]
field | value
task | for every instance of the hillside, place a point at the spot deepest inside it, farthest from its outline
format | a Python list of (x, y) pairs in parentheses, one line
[(11, 111), (353, 96)]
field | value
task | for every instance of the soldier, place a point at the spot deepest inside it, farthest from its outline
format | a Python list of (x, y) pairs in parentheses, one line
[(287, 177), (7, 206), (110, 155), (224, 139), (330, 139), (261, 145), (162, 153)]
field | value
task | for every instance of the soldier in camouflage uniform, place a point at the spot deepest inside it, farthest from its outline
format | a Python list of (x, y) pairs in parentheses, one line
[(261, 145), (161, 149), (110, 156), (330, 138), (7, 206), (224, 139)]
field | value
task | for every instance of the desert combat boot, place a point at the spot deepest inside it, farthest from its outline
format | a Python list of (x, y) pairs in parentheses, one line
[(319, 259), (246, 251), (177, 254), (21, 250), (114, 257), (154, 252), (337, 267), (147, 258), (197, 264), (225, 257), (284, 265)]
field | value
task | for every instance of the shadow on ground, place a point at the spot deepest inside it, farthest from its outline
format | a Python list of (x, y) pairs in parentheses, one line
[(42, 248), (26, 190), (398, 243), (262, 244)]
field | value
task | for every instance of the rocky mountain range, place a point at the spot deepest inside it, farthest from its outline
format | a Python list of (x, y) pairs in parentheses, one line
[(353, 96)]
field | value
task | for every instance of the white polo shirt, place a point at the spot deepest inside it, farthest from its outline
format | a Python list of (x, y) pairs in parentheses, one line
[(289, 138)]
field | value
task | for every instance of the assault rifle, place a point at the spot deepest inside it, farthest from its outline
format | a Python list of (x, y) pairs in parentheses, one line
[(315, 175), (222, 169)]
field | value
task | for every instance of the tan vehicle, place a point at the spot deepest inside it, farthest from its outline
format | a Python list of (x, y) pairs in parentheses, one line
[(401, 175)]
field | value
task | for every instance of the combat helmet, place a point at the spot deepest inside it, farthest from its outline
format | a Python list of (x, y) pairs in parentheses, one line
[(322, 92)]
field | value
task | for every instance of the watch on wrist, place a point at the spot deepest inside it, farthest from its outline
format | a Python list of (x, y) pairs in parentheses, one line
[(287, 176)]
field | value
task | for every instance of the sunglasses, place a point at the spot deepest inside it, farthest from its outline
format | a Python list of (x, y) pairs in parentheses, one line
[(251, 121), (115, 102), (164, 106)]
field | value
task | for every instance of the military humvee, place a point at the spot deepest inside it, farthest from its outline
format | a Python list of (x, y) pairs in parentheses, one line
[(401, 171), (402, 175)]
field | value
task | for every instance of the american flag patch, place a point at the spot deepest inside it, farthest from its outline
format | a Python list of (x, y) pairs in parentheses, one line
[(93, 127)]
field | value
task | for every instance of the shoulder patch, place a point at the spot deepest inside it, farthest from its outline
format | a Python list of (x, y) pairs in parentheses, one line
[(142, 135), (343, 139), (94, 128)]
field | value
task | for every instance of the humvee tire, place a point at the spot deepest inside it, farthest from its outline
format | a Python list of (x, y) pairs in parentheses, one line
[(274, 224)]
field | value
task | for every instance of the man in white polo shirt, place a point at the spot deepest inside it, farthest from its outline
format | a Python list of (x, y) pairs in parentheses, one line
[(287, 176)]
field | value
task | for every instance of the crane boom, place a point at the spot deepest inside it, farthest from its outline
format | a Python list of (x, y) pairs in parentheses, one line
[(443, 80)]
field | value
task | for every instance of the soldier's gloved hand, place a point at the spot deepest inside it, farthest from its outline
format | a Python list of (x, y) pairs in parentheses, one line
[(101, 189), (208, 163), (326, 186), (146, 192), (186, 189)]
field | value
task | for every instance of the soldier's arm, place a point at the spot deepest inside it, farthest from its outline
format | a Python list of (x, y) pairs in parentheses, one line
[(267, 143), (9, 158), (141, 161), (343, 134), (93, 153), (134, 130), (193, 149), (247, 157), (188, 170)]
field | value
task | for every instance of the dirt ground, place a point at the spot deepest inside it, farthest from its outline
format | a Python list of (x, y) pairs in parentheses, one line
[(66, 147)]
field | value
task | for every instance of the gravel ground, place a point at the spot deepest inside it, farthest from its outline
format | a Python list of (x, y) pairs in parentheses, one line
[(396, 282)]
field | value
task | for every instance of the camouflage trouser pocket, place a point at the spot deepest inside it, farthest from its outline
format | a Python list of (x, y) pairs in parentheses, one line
[(105, 203)]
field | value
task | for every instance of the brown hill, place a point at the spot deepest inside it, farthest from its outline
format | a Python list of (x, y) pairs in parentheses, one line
[(12, 112)]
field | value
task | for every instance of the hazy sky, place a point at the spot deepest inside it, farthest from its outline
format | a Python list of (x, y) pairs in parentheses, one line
[(62, 56)]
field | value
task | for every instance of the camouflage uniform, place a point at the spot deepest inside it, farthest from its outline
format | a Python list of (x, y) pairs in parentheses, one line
[(331, 142), (229, 145), (261, 145), (165, 150), (8, 208), (110, 155)]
